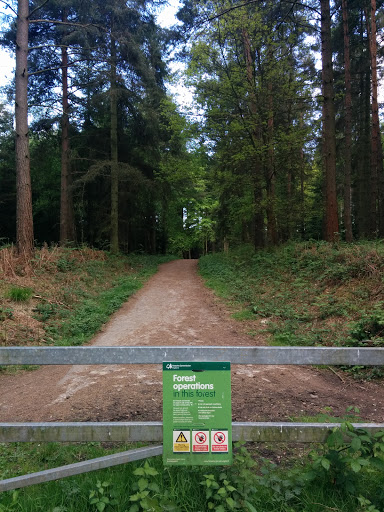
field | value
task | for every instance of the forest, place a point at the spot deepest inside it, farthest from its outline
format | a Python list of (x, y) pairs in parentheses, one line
[(283, 140), (106, 172)]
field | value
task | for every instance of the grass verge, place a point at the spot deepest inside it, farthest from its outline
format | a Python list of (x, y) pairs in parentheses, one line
[(342, 476), (309, 294), (67, 293)]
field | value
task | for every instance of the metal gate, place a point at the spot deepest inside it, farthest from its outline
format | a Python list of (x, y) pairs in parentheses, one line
[(152, 431)]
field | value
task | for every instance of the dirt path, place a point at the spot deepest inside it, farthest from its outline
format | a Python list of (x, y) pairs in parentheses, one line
[(174, 308)]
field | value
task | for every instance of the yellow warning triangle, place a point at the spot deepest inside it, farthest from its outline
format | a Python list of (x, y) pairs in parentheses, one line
[(181, 438)]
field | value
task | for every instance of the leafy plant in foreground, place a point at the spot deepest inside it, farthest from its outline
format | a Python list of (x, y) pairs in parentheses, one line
[(102, 497), (148, 495), (234, 487), (284, 487), (348, 450), (366, 505), (220, 494)]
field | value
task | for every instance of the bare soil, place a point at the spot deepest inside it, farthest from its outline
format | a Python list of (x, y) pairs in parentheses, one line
[(174, 308)]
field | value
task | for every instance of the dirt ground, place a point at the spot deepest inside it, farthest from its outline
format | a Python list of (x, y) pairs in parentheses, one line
[(174, 308)]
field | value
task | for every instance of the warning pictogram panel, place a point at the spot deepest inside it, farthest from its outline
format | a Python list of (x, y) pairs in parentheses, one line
[(200, 441), (219, 441), (181, 441), (181, 438)]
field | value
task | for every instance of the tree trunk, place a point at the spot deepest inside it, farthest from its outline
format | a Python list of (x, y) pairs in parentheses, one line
[(67, 223), (301, 157), (24, 218), (286, 219), (114, 242), (270, 174), (347, 129), (302, 195), (376, 154), (329, 137), (363, 151), (381, 190), (258, 217)]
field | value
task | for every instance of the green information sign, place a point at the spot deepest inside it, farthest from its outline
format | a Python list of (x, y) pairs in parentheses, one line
[(197, 415)]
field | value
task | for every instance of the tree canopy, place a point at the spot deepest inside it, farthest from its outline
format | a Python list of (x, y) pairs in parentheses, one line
[(283, 141)]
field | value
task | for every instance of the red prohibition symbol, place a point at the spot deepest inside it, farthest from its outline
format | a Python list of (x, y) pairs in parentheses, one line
[(219, 437), (200, 437)]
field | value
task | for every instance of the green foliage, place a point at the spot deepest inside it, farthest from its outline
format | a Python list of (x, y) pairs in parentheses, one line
[(351, 479), (227, 86), (370, 326), (66, 264), (188, 204), (233, 487), (44, 311), (286, 486), (148, 495), (19, 294), (348, 451), (45, 176), (366, 505), (5, 313), (102, 497), (310, 293), (182, 242), (13, 505), (7, 175), (220, 495)]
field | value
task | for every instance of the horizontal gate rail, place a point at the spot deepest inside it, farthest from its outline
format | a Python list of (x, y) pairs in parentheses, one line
[(152, 431), (156, 355), (79, 468)]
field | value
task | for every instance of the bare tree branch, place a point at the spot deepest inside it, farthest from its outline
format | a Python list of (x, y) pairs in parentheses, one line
[(287, 14), (8, 6), (69, 23), (74, 50), (37, 8), (41, 46), (226, 11), (57, 68)]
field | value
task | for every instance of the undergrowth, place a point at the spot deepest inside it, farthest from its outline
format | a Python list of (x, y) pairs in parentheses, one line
[(65, 295), (344, 475), (309, 294)]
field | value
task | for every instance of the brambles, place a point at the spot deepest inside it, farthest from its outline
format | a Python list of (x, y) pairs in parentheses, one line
[(67, 294), (370, 326), (308, 294), (345, 475)]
